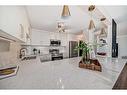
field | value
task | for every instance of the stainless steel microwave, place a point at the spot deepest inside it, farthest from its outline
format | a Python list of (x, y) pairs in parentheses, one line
[(55, 42)]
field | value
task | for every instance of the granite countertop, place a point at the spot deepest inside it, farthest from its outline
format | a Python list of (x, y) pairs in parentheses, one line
[(64, 74)]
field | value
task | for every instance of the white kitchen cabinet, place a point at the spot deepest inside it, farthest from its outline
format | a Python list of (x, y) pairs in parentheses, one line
[(63, 39), (40, 37), (45, 57), (45, 38), (59, 36), (35, 37), (14, 21)]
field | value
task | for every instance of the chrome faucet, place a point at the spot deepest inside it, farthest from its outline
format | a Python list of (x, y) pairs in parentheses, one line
[(22, 52)]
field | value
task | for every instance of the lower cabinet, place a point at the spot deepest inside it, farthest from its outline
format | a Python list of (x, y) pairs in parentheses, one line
[(45, 57)]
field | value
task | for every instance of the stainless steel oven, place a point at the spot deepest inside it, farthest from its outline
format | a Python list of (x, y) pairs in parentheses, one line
[(55, 55)]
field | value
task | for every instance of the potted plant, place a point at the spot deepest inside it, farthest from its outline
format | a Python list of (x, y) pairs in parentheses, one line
[(35, 51), (86, 48), (86, 61)]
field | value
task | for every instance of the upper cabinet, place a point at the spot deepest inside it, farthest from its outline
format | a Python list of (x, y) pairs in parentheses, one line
[(14, 21), (41, 37)]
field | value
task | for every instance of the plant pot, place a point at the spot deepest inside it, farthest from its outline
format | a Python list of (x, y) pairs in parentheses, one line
[(98, 68), (87, 65), (93, 65), (81, 65)]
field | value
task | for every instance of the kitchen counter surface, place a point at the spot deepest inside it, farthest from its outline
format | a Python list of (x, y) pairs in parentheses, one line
[(64, 74)]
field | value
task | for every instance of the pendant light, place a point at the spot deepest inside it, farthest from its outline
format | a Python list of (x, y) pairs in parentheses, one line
[(91, 24), (65, 12), (103, 32), (61, 27)]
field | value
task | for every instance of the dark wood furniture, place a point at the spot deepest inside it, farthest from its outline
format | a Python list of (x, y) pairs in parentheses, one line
[(121, 82)]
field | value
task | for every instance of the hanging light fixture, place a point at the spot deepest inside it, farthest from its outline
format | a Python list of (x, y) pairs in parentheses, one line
[(103, 32), (66, 12), (61, 27), (91, 24)]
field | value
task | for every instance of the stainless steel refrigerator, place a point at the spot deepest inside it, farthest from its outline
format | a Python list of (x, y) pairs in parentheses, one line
[(72, 51)]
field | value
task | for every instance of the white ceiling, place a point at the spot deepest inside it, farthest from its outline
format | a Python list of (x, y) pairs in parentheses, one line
[(119, 14), (46, 17)]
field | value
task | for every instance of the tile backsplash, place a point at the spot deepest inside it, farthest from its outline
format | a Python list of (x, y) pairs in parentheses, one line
[(9, 58), (4, 45)]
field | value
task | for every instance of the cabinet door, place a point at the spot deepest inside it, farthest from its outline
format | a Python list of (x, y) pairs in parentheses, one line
[(45, 38), (36, 38), (63, 39)]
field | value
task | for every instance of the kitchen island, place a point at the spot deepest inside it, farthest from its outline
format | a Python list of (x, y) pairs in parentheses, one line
[(64, 74)]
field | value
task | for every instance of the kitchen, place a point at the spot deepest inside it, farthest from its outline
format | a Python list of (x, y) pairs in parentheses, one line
[(41, 48)]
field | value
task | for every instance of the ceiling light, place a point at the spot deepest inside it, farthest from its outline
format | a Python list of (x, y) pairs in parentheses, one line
[(103, 33), (91, 8), (91, 24), (65, 12), (61, 27)]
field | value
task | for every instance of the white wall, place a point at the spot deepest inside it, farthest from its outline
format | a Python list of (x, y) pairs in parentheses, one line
[(122, 38), (122, 45), (122, 28)]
